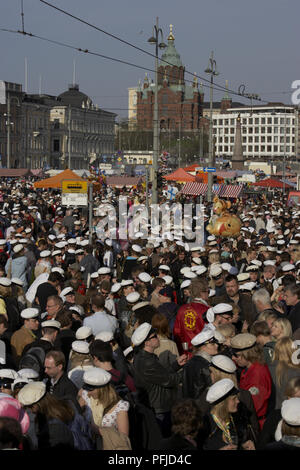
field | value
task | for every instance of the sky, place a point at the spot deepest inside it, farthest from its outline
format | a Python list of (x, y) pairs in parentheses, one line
[(255, 43)]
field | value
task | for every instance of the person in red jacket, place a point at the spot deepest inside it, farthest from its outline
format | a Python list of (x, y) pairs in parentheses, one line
[(255, 376), (189, 319)]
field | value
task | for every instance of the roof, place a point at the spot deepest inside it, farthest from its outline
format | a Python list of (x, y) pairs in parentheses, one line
[(271, 183), (56, 181), (171, 56), (222, 190), (179, 175), (74, 97), (14, 173), (121, 181)]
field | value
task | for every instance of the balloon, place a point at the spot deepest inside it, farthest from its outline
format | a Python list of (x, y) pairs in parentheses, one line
[(223, 224)]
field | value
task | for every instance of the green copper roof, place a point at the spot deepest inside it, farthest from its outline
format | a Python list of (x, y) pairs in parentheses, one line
[(171, 55)]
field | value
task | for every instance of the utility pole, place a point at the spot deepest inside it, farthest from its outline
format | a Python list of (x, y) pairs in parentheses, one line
[(179, 146), (69, 139), (8, 123), (90, 196), (158, 45), (212, 70)]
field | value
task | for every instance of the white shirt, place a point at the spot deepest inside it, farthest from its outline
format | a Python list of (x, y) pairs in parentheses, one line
[(100, 321)]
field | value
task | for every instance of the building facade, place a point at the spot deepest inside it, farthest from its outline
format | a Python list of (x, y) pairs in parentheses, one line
[(269, 132), (53, 131), (179, 102)]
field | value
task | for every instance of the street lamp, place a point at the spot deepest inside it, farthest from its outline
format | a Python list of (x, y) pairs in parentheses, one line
[(154, 40), (212, 70)]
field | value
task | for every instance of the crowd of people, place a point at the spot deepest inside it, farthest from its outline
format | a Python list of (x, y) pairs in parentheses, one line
[(152, 342)]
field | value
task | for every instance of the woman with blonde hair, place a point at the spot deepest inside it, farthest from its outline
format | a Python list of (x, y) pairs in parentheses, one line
[(281, 328), (283, 367), (101, 402), (223, 429)]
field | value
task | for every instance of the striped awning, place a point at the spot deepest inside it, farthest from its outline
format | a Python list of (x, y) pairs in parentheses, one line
[(231, 190), (200, 189), (194, 189)]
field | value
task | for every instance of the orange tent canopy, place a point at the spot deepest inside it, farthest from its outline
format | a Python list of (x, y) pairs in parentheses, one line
[(180, 175), (56, 181)]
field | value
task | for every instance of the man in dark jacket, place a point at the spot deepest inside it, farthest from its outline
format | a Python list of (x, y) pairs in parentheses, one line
[(196, 375), (58, 382), (89, 262), (155, 383), (243, 301)]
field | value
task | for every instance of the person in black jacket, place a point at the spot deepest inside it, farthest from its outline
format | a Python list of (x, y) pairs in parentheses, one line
[(58, 382), (155, 384), (288, 431), (196, 374)]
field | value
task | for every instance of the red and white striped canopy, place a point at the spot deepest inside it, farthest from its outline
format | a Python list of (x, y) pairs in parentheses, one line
[(222, 190), (231, 190)]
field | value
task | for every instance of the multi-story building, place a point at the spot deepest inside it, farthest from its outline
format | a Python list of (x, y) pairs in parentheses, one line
[(269, 132), (53, 131), (80, 131), (132, 107)]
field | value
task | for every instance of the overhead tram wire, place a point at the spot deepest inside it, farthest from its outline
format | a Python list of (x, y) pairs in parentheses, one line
[(87, 51), (217, 87)]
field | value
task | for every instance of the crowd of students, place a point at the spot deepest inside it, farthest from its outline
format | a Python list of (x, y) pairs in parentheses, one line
[(147, 343)]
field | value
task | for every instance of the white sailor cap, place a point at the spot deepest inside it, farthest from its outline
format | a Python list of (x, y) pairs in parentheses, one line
[(140, 305), (105, 336), (163, 267), (56, 252), (32, 393), (9, 374), (201, 270), (51, 324), (27, 373), (252, 267), (45, 253), (18, 282), (67, 291), (243, 341), (28, 313), (81, 347), (83, 332), (137, 248), (256, 262), (269, 262), (221, 390), (197, 261), (133, 297), (18, 248), (288, 267), (243, 277), (72, 241), (185, 284), (95, 377), (190, 274), (223, 363), (141, 333), (104, 270), (144, 277), (126, 282), (290, 411), (203, 337), (2, 241), (249, 286), (58, 270), (115, 287), (215, 270)]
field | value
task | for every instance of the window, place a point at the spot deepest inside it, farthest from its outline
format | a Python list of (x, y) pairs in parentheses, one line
[(263, 130), (250, 121), (256, 130), (256, 121), (56, 145), (269, 130), (269, 148), (269, 120), (263, 120)]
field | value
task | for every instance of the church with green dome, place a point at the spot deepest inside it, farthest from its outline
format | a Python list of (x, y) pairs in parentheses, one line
[(180, 102)]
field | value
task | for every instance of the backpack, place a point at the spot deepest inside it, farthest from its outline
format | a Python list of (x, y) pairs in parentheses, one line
[(34, 359), (81, 433)]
